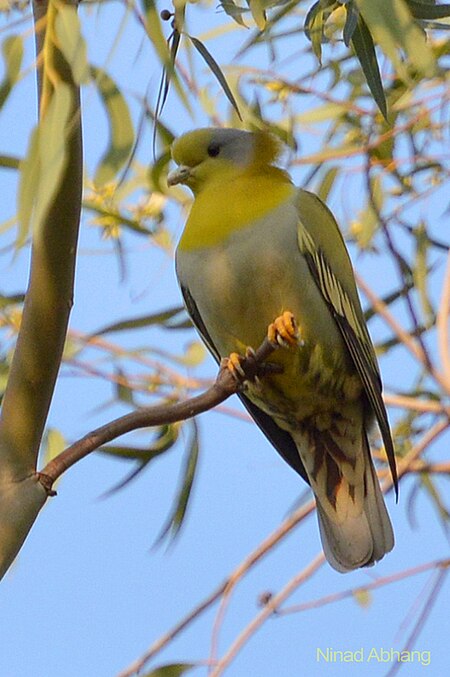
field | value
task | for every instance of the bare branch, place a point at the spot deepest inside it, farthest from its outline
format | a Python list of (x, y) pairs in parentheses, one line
[(409, 343), (225, 385), (266, 546), (441, 575), (373, 585), (270, 608), (442, 325)]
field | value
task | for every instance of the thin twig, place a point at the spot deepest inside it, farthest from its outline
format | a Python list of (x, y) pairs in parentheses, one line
[(442, 325), (416, 404), (404, 464), (269, 609), (399, 262), (406, 339), (423, 617), (373, 585)]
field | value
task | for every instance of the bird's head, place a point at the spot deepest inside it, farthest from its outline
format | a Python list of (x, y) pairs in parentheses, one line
[(212, 154)]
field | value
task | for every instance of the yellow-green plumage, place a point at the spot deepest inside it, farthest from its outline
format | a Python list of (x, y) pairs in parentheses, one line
[(253, 247)]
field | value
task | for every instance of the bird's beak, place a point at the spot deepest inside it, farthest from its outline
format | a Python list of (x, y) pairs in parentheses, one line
[(179, 175)]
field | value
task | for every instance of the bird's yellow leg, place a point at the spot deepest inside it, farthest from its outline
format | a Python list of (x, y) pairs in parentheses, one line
[(284, 331)]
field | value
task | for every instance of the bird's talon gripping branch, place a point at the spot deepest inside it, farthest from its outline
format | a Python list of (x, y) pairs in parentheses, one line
[(234, 364), (284, 331)]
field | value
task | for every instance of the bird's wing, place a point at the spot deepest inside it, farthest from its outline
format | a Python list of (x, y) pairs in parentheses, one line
[(348, 316), (279, 438)]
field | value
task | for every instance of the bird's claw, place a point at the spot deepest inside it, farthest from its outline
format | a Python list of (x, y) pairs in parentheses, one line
[(284, 331), (247, 368)]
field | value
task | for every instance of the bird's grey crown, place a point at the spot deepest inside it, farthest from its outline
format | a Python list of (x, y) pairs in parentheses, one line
[(234, 144)]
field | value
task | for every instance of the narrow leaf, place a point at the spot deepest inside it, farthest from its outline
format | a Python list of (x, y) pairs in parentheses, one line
[(181, 502), (365, 51), (393, 28), (71, 42), (9, 162), (121, 132), (421, 271), (12, 49), (170, 670), (314, 23), (351, 22), (258, 13), (428, 11), (327, 183), (10, 299), (215, 68), (163, 318), (42, 168), (156, 34)]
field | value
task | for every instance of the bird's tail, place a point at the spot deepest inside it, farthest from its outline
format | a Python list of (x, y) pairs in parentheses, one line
[(354, 524)]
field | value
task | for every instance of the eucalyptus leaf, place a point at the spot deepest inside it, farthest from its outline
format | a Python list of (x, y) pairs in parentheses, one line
[(217, 72), (71, 42), (12, 49), (393, 27), (121, 131), (170, 670), (365, 51)]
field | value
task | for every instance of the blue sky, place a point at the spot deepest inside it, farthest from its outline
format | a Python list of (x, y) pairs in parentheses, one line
[(88, 594)]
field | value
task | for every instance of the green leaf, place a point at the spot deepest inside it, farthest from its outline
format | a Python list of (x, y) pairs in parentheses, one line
[(215, 68), (155, 32), (166, 78), (351, 22), (12, 49), (9, 162), (181, 502), (53, 444), (121, 132), (323, 190), (425, 10), (365, 51), (166, 437), (170, 670), (234, 11), (421, 271), (393, 27), (42, 169), (436, 498), (314, 23), (367, 223), (257, 9), (363, 597), (11, 299), (164, 318), (124, 392), (71, 42)]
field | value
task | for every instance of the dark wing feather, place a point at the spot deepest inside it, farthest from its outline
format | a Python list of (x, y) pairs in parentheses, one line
[(355, 335), (279, 438)]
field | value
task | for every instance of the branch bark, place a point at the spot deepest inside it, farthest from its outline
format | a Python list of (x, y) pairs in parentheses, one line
[(226, 384), (46, 310)]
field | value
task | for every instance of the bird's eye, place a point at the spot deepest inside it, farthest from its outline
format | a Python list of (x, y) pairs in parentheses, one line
[(213, 149)]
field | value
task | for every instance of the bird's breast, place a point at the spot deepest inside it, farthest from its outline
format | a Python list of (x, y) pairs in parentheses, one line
[(247, 280)]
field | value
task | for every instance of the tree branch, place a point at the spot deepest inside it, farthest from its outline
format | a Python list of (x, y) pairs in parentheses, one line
[(226, 384), (47, 306)]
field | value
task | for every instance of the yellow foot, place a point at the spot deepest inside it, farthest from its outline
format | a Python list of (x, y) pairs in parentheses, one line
[(284, 331), (241, 367)]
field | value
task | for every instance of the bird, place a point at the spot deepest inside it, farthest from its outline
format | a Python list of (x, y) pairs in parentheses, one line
[(260, 256)]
